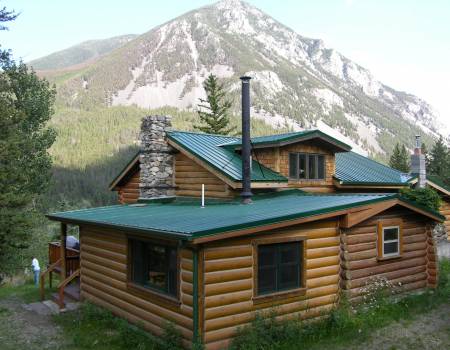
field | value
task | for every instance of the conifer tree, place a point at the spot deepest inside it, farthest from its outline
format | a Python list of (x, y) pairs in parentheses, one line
[(440, 160), (213, 111), (399, 159)]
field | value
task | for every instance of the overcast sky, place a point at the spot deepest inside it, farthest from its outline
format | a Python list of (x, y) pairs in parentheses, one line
[(405, 43)]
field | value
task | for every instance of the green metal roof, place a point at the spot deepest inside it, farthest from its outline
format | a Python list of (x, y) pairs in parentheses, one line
[(280, 139), (216, 217), (229, 163), (355, 169), (438, 181)]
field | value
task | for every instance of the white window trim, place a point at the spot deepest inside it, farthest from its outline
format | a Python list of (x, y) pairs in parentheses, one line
[(390, 241)]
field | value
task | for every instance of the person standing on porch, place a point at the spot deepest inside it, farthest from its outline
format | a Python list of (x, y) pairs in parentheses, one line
[(36, 270)]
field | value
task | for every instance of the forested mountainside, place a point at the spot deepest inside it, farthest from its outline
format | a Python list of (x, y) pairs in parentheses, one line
[(79, 54), (297, 83)]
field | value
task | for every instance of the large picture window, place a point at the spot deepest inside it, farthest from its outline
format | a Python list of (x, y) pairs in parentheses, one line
[(280, 267), (154, 266), (306, 166)]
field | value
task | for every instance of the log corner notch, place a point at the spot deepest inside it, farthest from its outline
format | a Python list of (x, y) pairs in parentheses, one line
[(432, 259)]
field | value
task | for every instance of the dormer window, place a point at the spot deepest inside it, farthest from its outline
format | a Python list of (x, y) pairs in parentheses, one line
[(306, 166)]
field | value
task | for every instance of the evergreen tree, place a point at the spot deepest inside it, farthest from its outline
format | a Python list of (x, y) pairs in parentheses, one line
[(213, 111), (6, 16), (440, 160), (400, 159), (25, 108)]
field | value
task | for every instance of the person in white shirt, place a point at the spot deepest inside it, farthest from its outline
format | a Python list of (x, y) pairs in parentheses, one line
[(36, 270)]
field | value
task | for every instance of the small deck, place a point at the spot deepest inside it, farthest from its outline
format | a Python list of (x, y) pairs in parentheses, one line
[(66, 263)]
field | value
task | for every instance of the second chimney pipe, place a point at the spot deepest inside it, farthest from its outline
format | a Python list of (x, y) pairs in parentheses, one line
[(246, 193)]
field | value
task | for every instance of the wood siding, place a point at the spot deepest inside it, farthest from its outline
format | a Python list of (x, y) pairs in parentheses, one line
[(189, 177), (104, 282), (277, 159), (228, 281), (416, 268), (129, 192), (445, 210)]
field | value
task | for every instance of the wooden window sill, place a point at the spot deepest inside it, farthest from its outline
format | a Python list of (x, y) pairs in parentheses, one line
[(267, 298), (153, 295), (384, 258)]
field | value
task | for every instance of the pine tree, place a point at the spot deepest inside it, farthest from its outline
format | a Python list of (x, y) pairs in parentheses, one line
[(399, 159), (213, 111), (440, 160)]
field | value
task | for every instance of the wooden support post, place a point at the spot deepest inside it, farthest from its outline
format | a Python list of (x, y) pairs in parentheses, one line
[(63, 250)]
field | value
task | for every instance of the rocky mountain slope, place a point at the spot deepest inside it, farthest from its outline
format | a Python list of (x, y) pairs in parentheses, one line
[(297, 81)]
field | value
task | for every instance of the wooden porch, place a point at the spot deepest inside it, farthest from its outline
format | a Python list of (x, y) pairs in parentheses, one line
[(65, 262)]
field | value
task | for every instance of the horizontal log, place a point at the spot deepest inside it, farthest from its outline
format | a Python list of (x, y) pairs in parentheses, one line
[(322, 252), (107, 254), (360, 282), (322, 262), (228, 252), (198, 187), (322, 242), (186, 254), (102, 279), (104, 237), (198, 180), (228, 264), (414, 239), (322, 281), (360, 264), (227, 299), (103, 262), (385, 267), (322, 271), (228, 287), (414, 246), (358, 239), (186, 264), (353, 248), (186, 276), (131, 312), (212, 194), (104, 270), (186, 288), (413, 231), (228, 275), (158, 313), (365, 254)]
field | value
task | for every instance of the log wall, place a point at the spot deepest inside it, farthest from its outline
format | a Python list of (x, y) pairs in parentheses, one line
[(228, 281), (277, 159), (104, 282), (189, 177), (445, 210), (129, 192), (415, 269)]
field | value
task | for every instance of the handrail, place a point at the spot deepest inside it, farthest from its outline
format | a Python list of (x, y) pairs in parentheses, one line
[(63, 284), (42, 276)]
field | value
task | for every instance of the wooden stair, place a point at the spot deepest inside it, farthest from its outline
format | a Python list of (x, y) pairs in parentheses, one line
[(71, 293)]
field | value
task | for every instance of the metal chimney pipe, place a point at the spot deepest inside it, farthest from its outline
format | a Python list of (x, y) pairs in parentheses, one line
[(246, 193)]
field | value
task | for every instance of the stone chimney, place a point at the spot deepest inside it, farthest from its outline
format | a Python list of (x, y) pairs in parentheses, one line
[(156, 159), (418, 164)]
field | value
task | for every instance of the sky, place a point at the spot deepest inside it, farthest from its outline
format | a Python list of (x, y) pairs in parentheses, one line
[(404, 43)]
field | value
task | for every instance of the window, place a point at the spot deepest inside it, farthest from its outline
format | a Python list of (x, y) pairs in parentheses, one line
[(389, 241), (279, 267), (154, 266), (306, 166)]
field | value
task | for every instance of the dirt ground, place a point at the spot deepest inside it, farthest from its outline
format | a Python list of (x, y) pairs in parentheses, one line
[(23, 329)]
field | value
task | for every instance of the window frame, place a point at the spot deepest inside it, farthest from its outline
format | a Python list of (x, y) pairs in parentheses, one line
[(288, 293), (316, 168), (385, 225), (147, 292)]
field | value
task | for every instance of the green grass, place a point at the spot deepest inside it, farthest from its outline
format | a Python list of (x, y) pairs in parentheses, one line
[(92, 327), (26, 291), (345, 325)]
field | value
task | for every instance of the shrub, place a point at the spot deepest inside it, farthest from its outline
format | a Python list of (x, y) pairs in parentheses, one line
[(426, 197)]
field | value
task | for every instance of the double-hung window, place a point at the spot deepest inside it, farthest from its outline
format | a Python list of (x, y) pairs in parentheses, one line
[(305, 166), (279, 268), (389, 241), (154, 266)]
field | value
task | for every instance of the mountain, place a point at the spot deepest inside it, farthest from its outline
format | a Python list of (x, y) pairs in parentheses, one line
[(83, 53), (297, 81)]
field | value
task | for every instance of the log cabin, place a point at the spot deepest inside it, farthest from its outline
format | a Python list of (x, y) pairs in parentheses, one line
[(183, 247)]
